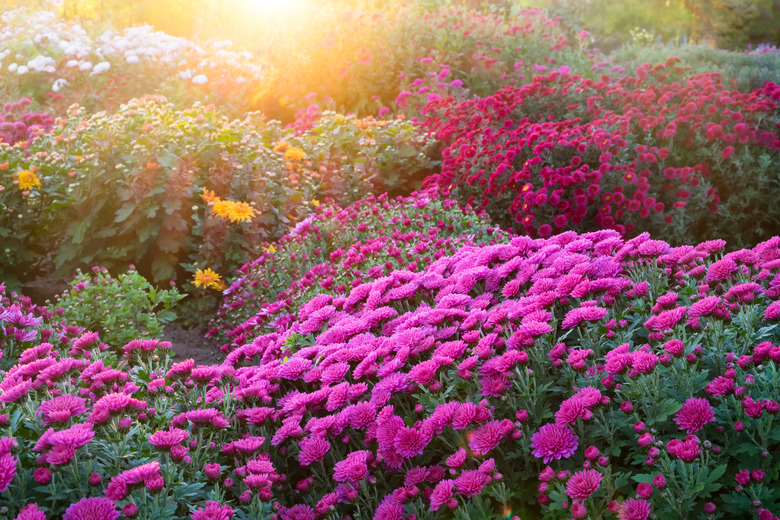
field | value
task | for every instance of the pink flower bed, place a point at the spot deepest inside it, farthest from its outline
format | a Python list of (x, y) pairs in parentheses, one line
[(564, 377)]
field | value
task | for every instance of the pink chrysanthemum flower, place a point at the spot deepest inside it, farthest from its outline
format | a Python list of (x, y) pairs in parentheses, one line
[(388, 509), (410, 442), (634, 509), (297, 512), (353, 468), (694, 414), (583, 483), (213, 511), (312, 450), (553, 442), (486, 437), (471, 482), (7, 470), (94, 508), (31, 512), (166, 439), (442, 494), (61, 408)]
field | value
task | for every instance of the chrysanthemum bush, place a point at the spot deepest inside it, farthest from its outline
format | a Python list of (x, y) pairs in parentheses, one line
[(581, 375), (681, 156), (121, 309), (172, 191), (59, 62), (18, 126), (336, 249)]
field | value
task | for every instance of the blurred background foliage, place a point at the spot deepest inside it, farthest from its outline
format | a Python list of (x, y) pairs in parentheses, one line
[(728, 24)]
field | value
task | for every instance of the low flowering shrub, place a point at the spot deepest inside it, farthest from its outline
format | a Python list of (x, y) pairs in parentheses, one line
[(336, 249), (581, 375), (120, 309), (654, 152), (175, 191), (18, 188)]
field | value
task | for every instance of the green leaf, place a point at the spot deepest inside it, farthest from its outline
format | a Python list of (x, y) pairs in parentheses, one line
[(167, 159), (124, 212)]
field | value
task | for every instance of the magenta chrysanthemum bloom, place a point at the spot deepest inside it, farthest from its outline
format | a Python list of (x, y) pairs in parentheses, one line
[(31, 512), (471, 482), (389, 509), (457, 459), (410, 442), (772, 311), (694, 414), (166, 439), (353, 468), (312, 450), (7, 470), (297, 512), (583, 483), (553, 442), (634, 509), (61, 408), (442, 494), (212, 470), (213, 511), (74, 437), (486, 437), (94, 508)]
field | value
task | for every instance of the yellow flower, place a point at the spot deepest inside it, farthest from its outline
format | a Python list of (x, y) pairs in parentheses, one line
[(294, 154), (283, 101), (271, 249), (28, 180), (241, 211), (222, 208), (315, 203), (280, 146), (208, 278)]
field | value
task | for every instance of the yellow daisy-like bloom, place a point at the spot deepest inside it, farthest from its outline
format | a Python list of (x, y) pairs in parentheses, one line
[(28, 180), (222, 208), (270, 249), (208, 278), (281, 146), (294, 154), (315, 203), (241, 211)]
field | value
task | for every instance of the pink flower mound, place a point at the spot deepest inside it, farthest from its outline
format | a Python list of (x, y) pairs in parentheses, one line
[(634, 509), (694, 414), (213, 511), (61, 408), (721, 270), (583, 484), (7, 463), (31, 512), (353, 468), (95, 508), (553, 442)]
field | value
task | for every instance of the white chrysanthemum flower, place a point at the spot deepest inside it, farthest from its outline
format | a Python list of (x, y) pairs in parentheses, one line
[(86, 65), (132, 59), (200, 79), (72, 63), (12, 67), (22, 70), (101, 67), (58, 84)]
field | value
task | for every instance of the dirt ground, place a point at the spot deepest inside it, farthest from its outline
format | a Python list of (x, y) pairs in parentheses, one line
[(187, 343)]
